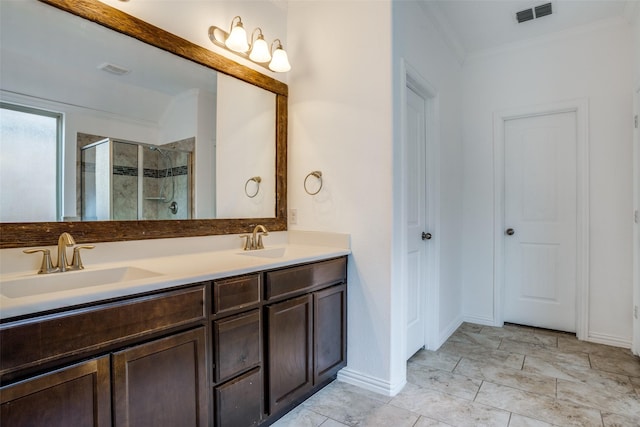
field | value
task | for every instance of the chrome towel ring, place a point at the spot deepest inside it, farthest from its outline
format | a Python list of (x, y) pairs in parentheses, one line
[(255, 179), (318, 176)]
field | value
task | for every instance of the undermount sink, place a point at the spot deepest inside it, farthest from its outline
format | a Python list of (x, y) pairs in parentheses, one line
[(266, 253), (39, 284)]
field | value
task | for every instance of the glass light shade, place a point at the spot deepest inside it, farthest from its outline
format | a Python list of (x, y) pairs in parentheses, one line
[(260, 51), (280, 61), (237, 40)]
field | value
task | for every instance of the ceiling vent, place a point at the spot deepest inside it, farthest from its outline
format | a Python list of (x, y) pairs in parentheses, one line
[(531, 13), (524, 15), (118, 70), (543, 10)]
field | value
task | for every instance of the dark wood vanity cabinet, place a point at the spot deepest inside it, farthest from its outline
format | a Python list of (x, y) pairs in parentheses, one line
[(236, 352), (277, 337), (135, 362), (306, 326)]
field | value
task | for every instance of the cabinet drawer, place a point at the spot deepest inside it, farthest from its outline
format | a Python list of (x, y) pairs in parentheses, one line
[(36, 341), (236, 293), (290, 281), (237, 344), (239, 402)]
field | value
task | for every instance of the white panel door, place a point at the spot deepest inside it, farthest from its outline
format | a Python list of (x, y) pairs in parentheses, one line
[(540, 221), (415, 208)]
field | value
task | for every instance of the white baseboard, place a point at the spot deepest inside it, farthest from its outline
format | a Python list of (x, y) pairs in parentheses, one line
[(609, 340), (448, 331), (486, 321), (370, 383)]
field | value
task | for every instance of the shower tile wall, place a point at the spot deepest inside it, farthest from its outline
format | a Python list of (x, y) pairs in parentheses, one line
[(150, 184), (184, 186), (155, 171)]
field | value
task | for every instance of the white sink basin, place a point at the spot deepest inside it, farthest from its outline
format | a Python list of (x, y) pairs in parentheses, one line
[(39, 284), (266, 253)]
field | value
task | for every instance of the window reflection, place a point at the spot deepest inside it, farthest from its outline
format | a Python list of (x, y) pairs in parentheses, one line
[(29, 172)]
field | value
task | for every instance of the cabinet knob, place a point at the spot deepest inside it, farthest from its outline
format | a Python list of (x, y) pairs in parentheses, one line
[(510, 232)]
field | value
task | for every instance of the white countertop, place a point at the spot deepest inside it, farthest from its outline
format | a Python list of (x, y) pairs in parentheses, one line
[(172, 270)]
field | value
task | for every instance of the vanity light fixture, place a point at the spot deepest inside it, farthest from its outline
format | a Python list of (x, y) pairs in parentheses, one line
[(258, 51)]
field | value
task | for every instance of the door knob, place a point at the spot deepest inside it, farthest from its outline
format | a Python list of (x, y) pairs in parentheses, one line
[(510, 232), (426, 236)]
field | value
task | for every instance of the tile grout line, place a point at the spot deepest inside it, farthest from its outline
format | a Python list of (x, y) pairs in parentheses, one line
[(457, 363), (478, 391)]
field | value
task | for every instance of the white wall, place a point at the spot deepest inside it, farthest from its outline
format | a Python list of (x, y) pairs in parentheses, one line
[(245, 117), (340, 122), (421, 45), (595, 64)]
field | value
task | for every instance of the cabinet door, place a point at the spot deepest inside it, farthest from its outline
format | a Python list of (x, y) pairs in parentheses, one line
[(79, 395), (162, 383), (290, 346), (329, 332)]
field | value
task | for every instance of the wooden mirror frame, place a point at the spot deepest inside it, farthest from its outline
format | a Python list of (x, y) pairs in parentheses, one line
[(13, 235)]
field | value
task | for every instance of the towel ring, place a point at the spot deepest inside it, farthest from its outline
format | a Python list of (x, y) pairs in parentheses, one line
[(318, 175), (255, 179)]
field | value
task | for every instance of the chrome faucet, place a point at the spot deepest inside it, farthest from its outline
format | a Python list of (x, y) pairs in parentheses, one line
[(64, 241), (254, 241)]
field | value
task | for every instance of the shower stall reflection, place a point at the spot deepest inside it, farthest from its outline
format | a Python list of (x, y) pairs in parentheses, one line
[(123, 180)]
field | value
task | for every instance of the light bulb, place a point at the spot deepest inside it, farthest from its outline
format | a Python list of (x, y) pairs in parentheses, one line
[(237, 40), (260, 51)]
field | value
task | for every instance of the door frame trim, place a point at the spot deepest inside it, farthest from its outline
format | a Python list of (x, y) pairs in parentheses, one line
[(411, 77), (635, 342), (581, 107)]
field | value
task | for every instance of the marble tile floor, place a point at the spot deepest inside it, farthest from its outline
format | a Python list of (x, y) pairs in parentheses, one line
[(514, 376)]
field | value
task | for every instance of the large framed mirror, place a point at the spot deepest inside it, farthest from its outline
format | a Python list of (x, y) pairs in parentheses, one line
[(210, 178)]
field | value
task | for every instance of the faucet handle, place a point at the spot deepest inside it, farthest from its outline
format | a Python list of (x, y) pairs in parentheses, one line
[(247, 242), (47, 265), (76, 261)]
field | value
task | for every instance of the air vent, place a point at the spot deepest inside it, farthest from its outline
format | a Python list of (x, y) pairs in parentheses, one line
[(543, 10), (118, 70), (524, 15), (528, 14)]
